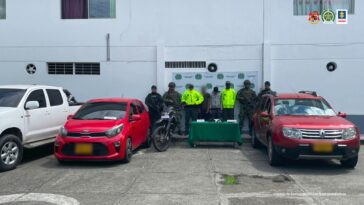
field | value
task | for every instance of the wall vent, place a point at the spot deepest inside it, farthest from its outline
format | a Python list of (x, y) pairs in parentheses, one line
[(87, 68), (74, 68), (60, 68), (185, 64)]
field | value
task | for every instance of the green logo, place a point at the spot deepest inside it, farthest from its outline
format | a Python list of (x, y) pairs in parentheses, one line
[(328, 17), (178, 77), (198, 76), (209, 86), (220, 76), (241, 76)]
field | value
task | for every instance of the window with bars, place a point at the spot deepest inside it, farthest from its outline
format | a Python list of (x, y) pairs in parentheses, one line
[(305, 7), (2, 9), (87, 68), (185, 64), (60, 68), (74, 69), (85, 9)]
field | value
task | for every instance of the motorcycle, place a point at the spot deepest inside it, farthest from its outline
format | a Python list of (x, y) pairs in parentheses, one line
[(165, 130)]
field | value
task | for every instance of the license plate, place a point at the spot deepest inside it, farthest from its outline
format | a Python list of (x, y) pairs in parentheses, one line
[(83, 149), (323, 148)]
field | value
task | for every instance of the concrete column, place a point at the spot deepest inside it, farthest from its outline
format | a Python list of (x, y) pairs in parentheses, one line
[(161, 84)]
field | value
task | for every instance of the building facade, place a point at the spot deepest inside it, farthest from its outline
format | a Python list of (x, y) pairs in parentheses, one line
[(113, 48)]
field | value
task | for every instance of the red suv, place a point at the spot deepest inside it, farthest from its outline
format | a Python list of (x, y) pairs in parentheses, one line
[(304, 126), (104, 129)]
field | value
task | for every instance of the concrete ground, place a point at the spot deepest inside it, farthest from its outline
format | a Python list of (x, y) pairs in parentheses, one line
[(182, 175)]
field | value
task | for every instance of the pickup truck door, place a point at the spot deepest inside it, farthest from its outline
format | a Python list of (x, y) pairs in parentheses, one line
[(36, 121), (58, 110)]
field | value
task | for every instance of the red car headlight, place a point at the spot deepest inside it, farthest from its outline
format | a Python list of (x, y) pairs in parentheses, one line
[(292, 133), (114, 131), (349, 133), (63, 132)]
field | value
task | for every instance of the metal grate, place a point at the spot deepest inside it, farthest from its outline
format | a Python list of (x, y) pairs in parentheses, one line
[(79, 134), (321, 134), (87, 68), (185, 64), (60, 68)]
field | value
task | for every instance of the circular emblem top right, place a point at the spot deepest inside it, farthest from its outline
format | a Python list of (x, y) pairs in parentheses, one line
[(328, 17)]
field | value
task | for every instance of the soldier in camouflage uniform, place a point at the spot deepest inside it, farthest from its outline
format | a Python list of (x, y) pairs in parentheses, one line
[(247, 99), (172, 98)]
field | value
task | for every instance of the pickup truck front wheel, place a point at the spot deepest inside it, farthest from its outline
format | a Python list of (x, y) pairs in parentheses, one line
[(11, 152)]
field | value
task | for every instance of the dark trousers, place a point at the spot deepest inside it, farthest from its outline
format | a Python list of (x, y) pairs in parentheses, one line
[(246, 115), (153, 119), (191, 114), (228, 114), (204, 115), (215, 113)]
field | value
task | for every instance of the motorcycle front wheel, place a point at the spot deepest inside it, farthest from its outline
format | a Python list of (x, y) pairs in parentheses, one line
[(161, 139)]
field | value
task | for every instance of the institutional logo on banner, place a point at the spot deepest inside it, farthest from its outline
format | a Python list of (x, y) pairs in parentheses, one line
[(241, 76), (342, 16), (198, 76), (178, 77), (209, 86), (314, 17), (220, 76), (328, 17)]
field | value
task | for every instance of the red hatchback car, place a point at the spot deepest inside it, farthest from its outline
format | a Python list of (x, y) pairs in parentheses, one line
[(304, 126), (104, 129)]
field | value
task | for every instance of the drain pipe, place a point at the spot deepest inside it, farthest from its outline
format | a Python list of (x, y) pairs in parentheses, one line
[(108, 47), (266, 70)]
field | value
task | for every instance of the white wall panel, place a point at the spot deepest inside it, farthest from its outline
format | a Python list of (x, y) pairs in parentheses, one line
[(342, 88), (118, 79)]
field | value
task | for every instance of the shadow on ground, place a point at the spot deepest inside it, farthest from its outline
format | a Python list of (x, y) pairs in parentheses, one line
[(307, 167), (37, 153), (53, 163), (256, 157)]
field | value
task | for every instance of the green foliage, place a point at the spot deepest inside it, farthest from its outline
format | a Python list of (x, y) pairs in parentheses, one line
[(231, 180)]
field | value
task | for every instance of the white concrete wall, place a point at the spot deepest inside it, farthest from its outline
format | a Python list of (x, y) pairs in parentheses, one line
[(228, 32), (146, 33), (300, 52)]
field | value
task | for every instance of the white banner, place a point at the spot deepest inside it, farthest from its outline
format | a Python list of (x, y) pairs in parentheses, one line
[(210, 80)]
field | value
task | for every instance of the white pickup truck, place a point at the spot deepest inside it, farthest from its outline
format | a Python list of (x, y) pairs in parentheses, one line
[(30, 116)]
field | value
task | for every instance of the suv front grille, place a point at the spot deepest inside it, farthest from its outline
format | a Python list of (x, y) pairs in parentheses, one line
[(321, 134)]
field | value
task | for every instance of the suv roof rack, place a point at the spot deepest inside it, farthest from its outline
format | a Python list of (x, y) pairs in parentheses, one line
[(313, 93)]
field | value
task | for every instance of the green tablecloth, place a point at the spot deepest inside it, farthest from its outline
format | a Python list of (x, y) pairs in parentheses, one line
[(214, 132)]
